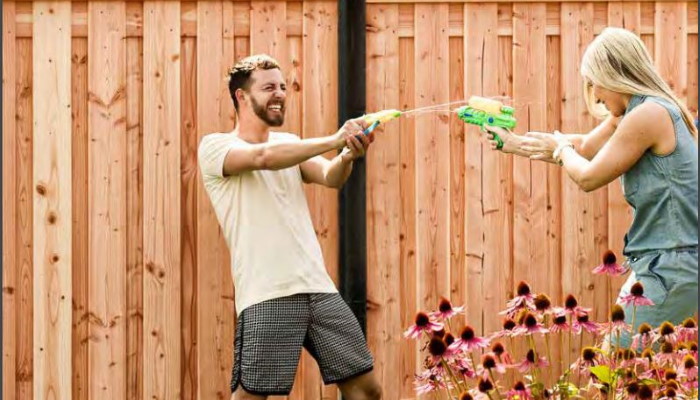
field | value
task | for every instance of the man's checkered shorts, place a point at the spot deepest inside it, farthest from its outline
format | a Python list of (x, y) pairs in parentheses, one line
[(270, 335)]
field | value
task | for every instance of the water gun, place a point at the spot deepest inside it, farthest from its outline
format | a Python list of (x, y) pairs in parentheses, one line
[(481, 111), (379, 117)]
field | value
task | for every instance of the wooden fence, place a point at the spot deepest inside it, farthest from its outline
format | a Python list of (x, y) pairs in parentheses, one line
[(449, 217), (116, 278), (116, 281)]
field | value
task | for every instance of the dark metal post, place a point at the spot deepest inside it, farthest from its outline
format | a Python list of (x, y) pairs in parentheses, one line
[(351, 96)]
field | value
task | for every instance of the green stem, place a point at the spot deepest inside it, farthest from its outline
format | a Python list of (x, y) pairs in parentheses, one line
[(634, 317), (452, 375), (494, 384)]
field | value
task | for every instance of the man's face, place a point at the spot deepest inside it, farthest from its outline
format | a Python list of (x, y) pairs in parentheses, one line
[(268, 93)]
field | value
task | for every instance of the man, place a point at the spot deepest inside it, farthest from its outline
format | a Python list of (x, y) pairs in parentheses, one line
[(284, 296)]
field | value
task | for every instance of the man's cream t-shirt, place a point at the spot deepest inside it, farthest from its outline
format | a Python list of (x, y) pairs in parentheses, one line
[(267, 225)]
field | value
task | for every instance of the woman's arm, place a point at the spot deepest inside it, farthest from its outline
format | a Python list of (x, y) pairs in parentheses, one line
[(649, 126), (587, 144)]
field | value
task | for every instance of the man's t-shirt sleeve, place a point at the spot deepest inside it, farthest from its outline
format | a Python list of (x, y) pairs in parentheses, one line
[(212, 153)]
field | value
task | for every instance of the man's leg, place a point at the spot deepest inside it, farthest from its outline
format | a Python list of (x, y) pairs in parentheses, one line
[(243, 395), (269, 338), (363, 387), (336, 341)]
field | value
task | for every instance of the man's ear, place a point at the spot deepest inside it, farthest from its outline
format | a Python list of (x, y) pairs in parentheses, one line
[(240, 95)]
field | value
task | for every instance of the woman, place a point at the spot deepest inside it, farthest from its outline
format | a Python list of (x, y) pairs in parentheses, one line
[(648, 137)]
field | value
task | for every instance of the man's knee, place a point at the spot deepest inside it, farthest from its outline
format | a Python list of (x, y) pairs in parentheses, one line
[(373, 391), (241, 394)]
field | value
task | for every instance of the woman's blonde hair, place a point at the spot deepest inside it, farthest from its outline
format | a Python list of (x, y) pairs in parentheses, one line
[(617, 60)]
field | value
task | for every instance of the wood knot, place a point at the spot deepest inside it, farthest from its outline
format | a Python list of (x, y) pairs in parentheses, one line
[(41, 189)]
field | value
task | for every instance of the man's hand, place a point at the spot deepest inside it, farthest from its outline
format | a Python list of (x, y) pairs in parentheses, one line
[(351, 127), (356, 146)]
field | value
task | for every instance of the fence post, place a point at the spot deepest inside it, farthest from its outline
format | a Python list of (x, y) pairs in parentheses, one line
[(351, 103)]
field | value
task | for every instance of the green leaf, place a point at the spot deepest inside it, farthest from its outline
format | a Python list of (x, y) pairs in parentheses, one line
[(602, 372)]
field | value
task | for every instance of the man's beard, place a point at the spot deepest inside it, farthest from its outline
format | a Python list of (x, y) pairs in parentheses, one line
[(263, 113)]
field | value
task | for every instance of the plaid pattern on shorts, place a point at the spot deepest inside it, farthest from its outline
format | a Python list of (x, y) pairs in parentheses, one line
[(270, 335)]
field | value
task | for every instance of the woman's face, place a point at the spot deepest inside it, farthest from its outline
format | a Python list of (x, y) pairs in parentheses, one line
[(615, 102)]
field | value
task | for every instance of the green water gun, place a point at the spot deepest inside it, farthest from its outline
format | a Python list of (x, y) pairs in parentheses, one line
[(482, 111)]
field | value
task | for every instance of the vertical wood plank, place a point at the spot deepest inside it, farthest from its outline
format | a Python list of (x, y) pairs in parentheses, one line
[(134, 216), (407, 237), (671, 43), (580, 250), (457, 177), (161, 165), (628, 16), (52, 200), (215, 309), (81, 320), (554, 178), (487, 257), (268, 34), (693, 74), (10, 248), (24, 364), (320, 104), (107, 199), (383, 207), (190, 275), (625, 15), (532, 259), (432, 153)]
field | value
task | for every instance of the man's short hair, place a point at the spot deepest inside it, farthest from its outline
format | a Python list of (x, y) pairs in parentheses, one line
[(239, 75)]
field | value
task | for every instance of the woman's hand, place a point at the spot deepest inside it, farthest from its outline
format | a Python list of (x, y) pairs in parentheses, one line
[(517, 144), (544, 145)]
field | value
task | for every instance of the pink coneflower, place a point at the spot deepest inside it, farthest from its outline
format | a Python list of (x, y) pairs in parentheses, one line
[(464, 368), (559, 323), (636, 296), (688, 368), (438, 350), (422, 324), (590, 357), (431, 384), (645, 392), (572, 308), (524, 299), (519, 392), (530, 326), (490, 363), (468, 340), (617, 323), (688, 330), (507, 331), (609, 265), (583, 322), (644, 336), (667, 353), (543, 304), (626, 357), (446, 311), (500, 351), (466, 396), (632, 390), (666, 333), (530, 362), (485, 385)]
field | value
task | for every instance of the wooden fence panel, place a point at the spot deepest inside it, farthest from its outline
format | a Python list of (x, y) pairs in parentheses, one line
[(9, 203), (161, 200), (383, 181), (107, 199), (52, 200)]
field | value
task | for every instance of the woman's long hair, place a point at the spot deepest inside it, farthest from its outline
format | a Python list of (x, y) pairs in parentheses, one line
[(617, 60)]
